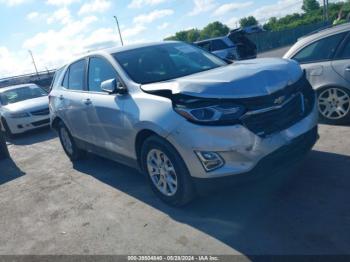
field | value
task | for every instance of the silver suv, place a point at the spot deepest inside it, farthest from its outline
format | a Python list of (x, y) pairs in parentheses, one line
[(325, 56), (183, 116)]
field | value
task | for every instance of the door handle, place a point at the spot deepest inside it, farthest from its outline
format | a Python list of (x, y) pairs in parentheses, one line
[(347, 69), (61, 97), (87, 101)]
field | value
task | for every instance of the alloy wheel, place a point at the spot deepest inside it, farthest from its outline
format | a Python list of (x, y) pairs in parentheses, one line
[(162, 172), (334, 103)]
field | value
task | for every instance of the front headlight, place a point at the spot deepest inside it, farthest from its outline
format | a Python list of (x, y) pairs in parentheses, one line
[(19, 115), (223, 113)]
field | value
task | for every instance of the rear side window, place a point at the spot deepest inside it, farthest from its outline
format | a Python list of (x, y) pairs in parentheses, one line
[(99, 70), (65, 80), (218, 45), (205, 46), (345, 51), (76, 76), (321, 50), (56, 78)]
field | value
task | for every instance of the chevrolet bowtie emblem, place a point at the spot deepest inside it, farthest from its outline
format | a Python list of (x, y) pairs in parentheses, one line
[(279, 100)]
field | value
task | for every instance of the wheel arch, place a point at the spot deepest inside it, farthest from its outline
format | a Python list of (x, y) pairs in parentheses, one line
[(141, 136), (55, 123)]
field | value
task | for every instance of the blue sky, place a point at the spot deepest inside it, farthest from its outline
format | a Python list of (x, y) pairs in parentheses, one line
[(58, 30)]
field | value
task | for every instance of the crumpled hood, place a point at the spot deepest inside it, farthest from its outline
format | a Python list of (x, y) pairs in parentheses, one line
[(28, 105), (249, 78)]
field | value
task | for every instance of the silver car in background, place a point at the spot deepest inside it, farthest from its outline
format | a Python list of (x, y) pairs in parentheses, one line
[(23, 108), (325, 56), (186, 118)]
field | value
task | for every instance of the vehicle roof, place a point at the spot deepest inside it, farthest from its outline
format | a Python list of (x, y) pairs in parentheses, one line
[(318, 35), (3, 89)]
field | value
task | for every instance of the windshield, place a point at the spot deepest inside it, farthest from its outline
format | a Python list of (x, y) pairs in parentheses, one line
[(21, 94), (164, 62)]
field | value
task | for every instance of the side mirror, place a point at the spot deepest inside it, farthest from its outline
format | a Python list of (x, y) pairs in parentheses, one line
[(113, 86)]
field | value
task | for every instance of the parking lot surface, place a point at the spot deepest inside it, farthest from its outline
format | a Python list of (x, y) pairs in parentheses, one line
[(50, 206)]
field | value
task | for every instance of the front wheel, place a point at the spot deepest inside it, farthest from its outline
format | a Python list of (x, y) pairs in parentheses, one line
[(334, 105), (68, 143), (167, 172)]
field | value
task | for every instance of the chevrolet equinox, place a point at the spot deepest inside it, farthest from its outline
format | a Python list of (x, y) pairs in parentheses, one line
[(182, 116)]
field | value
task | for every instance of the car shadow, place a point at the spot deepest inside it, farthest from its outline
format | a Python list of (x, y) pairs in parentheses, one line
[(305, 211), (32, 137), (9, 171)]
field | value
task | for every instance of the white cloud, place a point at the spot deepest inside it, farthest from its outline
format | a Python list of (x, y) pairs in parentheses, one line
[(279, 9), (202, 6), (233, 22), (226, 8), (61, 2), (32, 15), (94, 6), (13, 2), (149, 18), (14, 63), (163, 26), (141, 3), (62, 15), (54, 48), (133, 31)]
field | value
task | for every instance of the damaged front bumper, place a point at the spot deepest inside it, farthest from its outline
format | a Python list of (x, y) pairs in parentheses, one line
[(241, 150)]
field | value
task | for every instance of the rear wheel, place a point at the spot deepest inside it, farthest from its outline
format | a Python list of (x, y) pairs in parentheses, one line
[(167, 172), (334, 105), (68, 143)]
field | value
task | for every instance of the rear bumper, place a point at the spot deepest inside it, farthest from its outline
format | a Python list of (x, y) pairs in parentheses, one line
[(279, 160)]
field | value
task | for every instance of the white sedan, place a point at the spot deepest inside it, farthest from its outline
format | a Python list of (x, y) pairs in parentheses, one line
[(23, 108)]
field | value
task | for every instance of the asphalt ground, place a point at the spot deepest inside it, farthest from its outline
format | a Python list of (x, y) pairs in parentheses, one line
[(50, 206)]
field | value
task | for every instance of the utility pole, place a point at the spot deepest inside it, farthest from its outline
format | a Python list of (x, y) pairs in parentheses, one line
[(327, 11), (120, 34), (36, 69), (324, 10)]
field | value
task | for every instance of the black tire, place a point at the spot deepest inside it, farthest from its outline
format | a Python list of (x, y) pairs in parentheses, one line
[(323, 119), (185, 189), (8, 132), (75, 153)]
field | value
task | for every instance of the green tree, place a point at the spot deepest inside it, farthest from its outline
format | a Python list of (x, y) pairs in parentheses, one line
[(248, 21), (214, 29), (310, 5), (193, 35)]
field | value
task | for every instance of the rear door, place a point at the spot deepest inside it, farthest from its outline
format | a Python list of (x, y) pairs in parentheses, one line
[(75, 100), (341, 63), (317, 57)]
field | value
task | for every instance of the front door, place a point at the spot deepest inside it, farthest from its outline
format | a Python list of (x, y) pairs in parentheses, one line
[(105, 117)]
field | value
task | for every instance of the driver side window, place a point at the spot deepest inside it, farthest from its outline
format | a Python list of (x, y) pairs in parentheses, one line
[(100, 70)]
